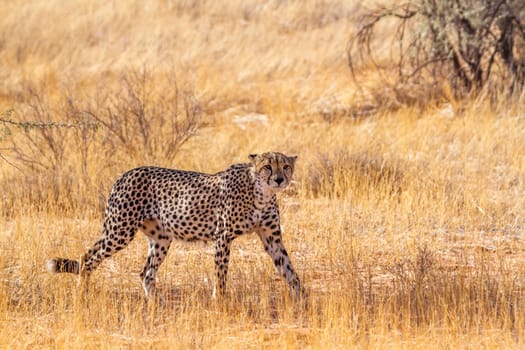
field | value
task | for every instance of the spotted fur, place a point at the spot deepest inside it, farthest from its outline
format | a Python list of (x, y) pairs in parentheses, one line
[(168, 204)]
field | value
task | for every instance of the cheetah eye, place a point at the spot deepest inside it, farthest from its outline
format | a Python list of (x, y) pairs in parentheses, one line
[(287, 167), (268, 168)]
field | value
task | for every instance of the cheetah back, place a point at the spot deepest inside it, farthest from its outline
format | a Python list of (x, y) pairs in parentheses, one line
[(184, 205)]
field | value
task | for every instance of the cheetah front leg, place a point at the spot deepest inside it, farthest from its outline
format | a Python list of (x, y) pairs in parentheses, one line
[(273, 245)]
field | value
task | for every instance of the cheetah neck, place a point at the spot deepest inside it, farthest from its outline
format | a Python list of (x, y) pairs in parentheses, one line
[(263, 195)]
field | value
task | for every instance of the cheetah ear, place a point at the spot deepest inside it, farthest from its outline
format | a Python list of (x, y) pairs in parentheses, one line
[(292, 159), (253, 157)]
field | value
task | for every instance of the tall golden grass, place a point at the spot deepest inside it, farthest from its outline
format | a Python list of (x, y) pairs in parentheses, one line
[(406, 226)]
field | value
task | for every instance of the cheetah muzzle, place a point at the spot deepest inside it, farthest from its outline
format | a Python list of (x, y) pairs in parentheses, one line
[(167, 204)]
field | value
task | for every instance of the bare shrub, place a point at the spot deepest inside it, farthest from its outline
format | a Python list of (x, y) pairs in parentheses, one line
[(38, 141), (146, 117), (46, 127), (360, 173), (428, 291), (415, 283), (471, 44)]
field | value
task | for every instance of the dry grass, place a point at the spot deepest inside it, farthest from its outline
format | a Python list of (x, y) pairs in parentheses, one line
[(406, 227)]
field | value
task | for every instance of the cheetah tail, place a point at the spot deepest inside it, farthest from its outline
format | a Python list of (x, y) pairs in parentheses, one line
[(59, 265)]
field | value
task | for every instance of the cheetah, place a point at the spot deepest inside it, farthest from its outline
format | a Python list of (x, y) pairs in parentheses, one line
[(167, 204)]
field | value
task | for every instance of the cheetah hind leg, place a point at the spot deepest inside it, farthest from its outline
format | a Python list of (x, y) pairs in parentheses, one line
[(222, 258), (157, 251)]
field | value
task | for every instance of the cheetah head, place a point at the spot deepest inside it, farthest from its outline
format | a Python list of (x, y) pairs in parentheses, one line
[(273, 169)]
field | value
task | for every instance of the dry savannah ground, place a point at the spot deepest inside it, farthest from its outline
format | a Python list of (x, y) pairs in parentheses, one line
[(404, 223)]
